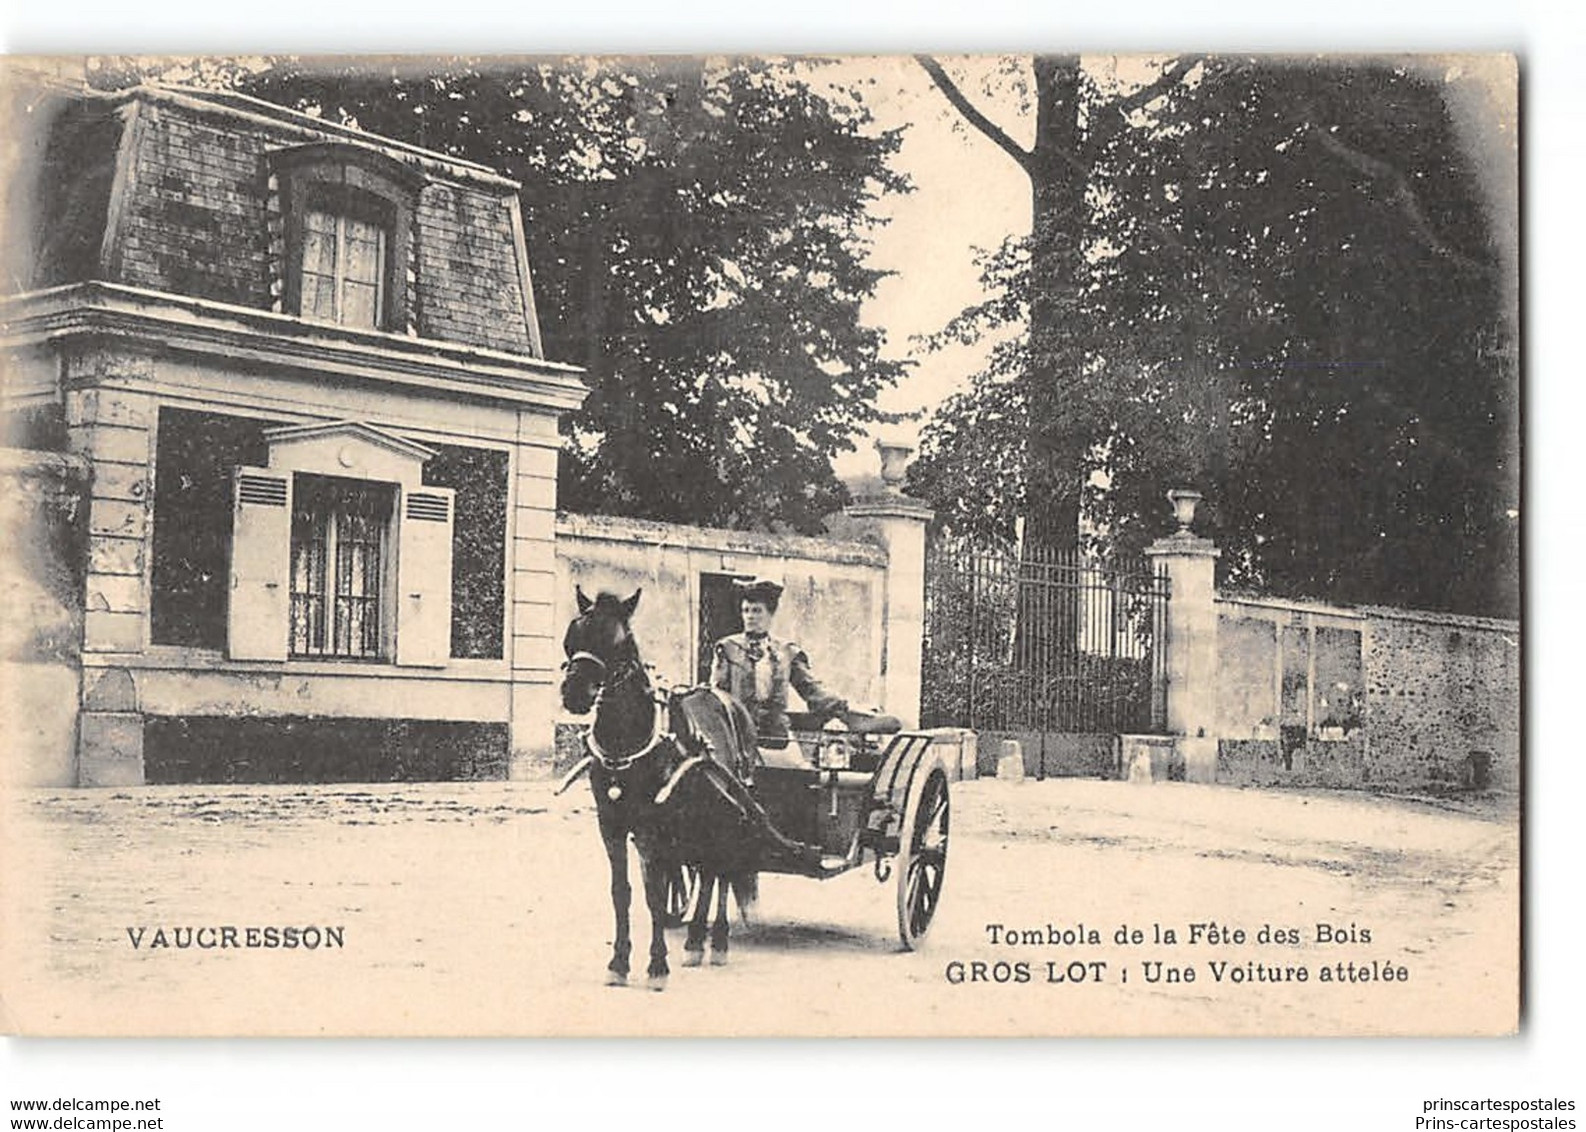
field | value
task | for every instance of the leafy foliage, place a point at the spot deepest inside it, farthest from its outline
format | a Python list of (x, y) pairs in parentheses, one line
[(1287, 292), (479, 545), (697, 230)]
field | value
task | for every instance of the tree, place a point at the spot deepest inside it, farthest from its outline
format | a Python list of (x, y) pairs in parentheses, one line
[(1053, 266), (697, 230), (1291, 296)]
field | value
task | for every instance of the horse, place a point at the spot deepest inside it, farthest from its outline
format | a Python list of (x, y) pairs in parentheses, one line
[(659, 771)]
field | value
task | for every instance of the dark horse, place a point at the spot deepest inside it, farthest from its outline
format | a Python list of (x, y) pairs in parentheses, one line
[(658, 770)]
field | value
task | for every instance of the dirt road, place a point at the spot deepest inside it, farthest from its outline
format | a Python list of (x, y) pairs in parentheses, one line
[(482, 909)]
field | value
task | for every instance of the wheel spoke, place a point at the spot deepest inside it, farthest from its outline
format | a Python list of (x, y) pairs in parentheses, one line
[(923, 857), (912, 899)]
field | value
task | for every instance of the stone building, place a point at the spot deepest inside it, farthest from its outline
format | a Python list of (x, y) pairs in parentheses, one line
[(282, 445), (278, 470)]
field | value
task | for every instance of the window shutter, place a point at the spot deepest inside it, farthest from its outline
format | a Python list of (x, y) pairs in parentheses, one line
[(258, 611), (424, 577)]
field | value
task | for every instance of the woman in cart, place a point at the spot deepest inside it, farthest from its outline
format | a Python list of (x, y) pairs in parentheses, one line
[(755, 668)]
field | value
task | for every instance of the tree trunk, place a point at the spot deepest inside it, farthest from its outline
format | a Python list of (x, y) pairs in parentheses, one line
[(1047, 636)]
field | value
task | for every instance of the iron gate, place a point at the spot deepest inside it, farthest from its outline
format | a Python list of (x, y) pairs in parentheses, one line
[(1042, 640)]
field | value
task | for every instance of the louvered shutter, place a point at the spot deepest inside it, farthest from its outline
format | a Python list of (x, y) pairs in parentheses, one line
[(259, 608), (424, 577)]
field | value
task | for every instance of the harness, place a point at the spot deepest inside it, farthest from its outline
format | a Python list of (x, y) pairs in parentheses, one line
[(611, 762), (615, 764)]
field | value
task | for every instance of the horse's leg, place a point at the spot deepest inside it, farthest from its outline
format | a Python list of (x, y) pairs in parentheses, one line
[(720, 929), (655, 886), (694, 942), (616, 841)]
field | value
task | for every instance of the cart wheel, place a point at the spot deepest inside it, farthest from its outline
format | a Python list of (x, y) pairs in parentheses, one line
[(922, 853)]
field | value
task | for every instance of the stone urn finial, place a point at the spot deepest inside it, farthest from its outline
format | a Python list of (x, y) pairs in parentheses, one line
[(1184, 500), (894, 462)]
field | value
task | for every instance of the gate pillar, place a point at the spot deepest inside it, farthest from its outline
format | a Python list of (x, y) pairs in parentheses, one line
[(898, 523), (1190, 639)]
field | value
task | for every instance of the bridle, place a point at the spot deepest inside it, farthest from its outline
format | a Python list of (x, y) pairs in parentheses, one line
[(608, 678)]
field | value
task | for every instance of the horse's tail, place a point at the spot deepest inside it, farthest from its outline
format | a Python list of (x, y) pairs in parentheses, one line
[(722, 728), (746, 890)]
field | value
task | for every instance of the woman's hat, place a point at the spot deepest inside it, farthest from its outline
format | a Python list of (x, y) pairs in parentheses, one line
[(763, 590)]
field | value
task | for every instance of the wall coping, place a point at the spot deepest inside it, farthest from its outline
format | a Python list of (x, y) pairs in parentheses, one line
[(1373, 612), (24, 462), (1292, 605), (614, 528), (1433, 617)]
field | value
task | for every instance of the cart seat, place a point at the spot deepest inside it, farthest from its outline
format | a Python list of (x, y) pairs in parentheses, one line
[(789, 757), (859, 722)]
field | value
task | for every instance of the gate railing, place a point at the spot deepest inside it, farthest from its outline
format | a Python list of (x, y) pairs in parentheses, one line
[(1042, 640)]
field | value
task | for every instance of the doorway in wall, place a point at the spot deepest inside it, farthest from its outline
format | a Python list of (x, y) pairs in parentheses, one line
[(719, 615)]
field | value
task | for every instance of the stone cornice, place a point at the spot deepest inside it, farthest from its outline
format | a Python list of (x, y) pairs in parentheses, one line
[(179, 324), (1183, 545), (890, 505)]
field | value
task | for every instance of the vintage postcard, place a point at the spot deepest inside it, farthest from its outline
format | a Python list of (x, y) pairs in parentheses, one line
[(895, 546)]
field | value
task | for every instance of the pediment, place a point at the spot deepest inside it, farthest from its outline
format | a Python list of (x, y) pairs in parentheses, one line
[(348, 448)]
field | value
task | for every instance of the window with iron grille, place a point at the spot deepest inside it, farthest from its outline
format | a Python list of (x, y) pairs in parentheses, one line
[(341, 531)]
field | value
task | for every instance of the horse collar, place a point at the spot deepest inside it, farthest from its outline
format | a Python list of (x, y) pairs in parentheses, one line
[(623, 762)]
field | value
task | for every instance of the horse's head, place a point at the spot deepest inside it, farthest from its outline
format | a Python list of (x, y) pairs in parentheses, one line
[(599, 645)]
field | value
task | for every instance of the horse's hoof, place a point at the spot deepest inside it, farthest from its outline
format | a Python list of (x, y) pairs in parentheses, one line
[(656, 983), (616, 978), (718, 958), (693, 958)]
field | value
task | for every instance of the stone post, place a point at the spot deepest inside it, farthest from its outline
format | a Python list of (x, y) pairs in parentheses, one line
[(1188, 562), (534, 649), (898, 524), (110, 427)]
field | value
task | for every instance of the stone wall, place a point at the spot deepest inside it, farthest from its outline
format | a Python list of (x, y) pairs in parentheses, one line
[(1443, 700), (833, 604), (1309, 694), (41, 549)]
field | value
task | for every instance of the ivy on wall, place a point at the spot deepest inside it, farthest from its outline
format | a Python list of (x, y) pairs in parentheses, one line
[(479, 545), (194, 455)]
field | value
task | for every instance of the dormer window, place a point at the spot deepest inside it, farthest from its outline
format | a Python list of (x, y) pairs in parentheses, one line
[(343, 240)]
